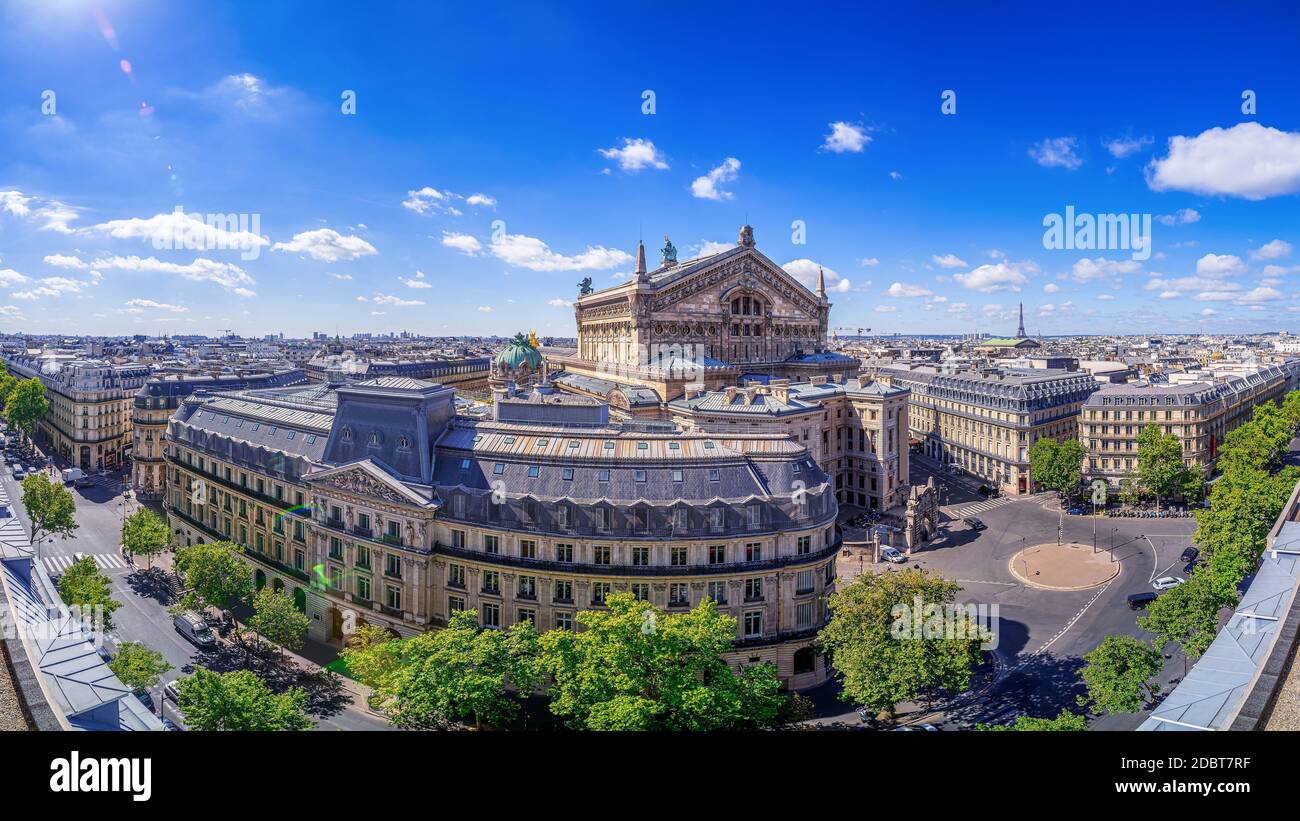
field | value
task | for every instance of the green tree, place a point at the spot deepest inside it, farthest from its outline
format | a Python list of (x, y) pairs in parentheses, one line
[(632, 667), (84, 587), (899, 636), (26, 405), (1187, 615), (1160, 462), (461, 673), (1261, 443), (1118, 671), (1065, 721), (137, 666), (1058, 466), (215, 575), (50, 507), (276, 618), (7, 384), (1244, 504), (239, 701), (146, 534), (372, 655)]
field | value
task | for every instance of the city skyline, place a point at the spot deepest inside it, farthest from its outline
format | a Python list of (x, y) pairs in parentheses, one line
[(468, 196)]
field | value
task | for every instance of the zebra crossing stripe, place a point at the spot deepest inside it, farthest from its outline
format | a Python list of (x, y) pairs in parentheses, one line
[(104, 561)]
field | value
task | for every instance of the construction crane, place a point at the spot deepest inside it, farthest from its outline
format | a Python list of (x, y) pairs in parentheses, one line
[(835, 332)]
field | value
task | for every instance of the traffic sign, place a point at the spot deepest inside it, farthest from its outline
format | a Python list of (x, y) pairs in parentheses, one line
[(1099, 488)]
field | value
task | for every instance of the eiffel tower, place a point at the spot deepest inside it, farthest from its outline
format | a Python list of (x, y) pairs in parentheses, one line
[(1020, 332)]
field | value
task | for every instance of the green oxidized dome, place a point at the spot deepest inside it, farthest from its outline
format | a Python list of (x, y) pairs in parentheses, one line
[(518, 352)]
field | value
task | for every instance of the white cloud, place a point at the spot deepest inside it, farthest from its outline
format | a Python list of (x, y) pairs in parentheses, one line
[(481, 200), (532, 253), (846, 138), (464, 243), (1051, 288), (902, 290), (1057, 152), (228, 276), (1000, 276), (635, 154), (426, 200), (1253, 296), (63, 261), (560, 303), (1100, 268), (949, 261), (1106, 297), (957, 308), (707, 187), (344, 277), (1219, 265), (867, 262), (53, 287), (327, 245), (1121, 147), (805, 271), (9, 278), (1272, 250), (1248, 160), (142, 304), (178, 230), (895, 176), (1183, 216), (485, 309), (1208, 312), (709, 247), (885, 309), (51, 214), (388, 299), (417, 281)]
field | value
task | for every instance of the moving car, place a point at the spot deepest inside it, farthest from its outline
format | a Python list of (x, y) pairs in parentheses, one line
[(891, 554), (192, 626), (19, 473), (1167, 582), (975, 524), (1137, 601), (1075, 511)]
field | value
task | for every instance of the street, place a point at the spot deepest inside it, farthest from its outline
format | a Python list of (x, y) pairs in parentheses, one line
[(1042, 634), (146, 595)]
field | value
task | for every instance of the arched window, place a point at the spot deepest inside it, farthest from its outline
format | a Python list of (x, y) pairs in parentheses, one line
[(805, 661), (347, 434)]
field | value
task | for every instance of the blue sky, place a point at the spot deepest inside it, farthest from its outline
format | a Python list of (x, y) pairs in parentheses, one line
[(497, 155)]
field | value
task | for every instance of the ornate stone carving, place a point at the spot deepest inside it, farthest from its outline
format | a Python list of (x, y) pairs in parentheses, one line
[(363, 484)]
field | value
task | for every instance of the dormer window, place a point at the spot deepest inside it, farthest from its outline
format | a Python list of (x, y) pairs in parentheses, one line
[(403, 443), (374, 437), (347, 434)]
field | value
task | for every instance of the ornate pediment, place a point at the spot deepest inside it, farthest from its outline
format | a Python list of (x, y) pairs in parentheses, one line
[(751, 271), (367, 480)]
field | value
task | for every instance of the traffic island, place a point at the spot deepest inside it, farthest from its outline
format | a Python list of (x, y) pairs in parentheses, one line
[(1068, 566)]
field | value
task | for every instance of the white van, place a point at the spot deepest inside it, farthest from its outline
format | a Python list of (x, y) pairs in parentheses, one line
[(192, 626), (72, 474)]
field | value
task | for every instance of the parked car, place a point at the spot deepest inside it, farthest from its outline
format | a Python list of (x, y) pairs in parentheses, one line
[(192, 626), (1137, 601), (1167, 582), (172, 691), (891, 554), (1190, 566), (975, 524), (1190, 554)]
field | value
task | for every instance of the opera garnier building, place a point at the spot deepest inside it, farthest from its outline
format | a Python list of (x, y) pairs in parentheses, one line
[(719, 320), (376, 501)]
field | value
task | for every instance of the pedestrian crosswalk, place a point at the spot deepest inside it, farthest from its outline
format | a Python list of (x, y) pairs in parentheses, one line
[(104, 561), (980, 507)]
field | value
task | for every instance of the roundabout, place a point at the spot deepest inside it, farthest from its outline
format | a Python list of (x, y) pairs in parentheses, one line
[(1068, 566)]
